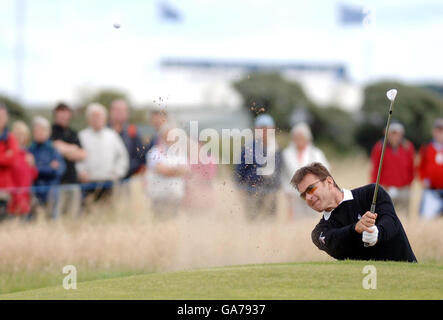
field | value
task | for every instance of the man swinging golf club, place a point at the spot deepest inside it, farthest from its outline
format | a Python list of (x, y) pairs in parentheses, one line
[(347, 229)]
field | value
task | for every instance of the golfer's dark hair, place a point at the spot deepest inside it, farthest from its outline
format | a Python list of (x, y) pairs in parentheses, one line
[(61, 106), (316, 169), (3, 106)]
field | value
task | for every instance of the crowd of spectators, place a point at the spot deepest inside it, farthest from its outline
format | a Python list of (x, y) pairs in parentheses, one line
[(398, 171), (61, 170), (400, 168), (55, 168)]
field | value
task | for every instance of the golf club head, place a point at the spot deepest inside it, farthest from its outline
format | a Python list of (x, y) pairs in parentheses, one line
[(391, 94)]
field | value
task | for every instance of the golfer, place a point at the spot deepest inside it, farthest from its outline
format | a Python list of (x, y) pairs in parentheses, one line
[(347, 222)]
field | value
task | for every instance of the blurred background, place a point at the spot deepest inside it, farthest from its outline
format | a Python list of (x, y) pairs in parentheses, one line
[(222, 62)]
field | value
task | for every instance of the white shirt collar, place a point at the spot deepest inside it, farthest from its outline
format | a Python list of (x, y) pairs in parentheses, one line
[(347, 196)]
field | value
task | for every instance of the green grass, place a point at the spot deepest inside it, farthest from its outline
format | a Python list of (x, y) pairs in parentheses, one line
[(325, 280), (23, 281)]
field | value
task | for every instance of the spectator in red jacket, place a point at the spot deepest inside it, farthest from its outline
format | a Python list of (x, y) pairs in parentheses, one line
[(8, 151), (397, 170), (431, 173), (24, 172)]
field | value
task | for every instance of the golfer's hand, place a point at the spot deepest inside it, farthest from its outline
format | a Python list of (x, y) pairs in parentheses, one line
[(370, 238), (366, 222)]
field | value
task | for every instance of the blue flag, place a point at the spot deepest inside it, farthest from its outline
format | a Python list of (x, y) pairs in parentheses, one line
[(351, 14), (168, 12)]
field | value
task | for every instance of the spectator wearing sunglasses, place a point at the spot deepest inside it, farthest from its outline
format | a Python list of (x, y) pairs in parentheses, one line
[(347, 224)]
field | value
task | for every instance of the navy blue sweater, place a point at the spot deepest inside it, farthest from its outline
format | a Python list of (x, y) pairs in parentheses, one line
[(44, 154), (337, 236)]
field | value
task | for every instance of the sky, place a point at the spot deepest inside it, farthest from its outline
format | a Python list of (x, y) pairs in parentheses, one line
[(72, 48)]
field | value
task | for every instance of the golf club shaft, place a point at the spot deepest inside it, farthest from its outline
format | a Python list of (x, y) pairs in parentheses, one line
[(377, 183)]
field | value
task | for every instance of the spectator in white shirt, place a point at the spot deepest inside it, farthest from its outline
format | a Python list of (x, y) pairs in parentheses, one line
[(107, 159), (299, 153)]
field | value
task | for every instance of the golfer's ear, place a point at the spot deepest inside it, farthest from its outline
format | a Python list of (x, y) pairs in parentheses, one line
[(330, 181)]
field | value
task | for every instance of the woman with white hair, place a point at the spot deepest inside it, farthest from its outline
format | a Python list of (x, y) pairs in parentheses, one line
[(50, 165), (299, 153), (107, 159)]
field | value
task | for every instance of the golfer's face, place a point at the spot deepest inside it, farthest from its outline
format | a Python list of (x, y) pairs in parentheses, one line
[(311, 188)]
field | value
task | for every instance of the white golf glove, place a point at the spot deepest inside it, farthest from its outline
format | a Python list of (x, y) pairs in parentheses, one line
[(370, 238)]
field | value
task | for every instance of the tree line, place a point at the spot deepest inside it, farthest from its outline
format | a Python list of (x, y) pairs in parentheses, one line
[(416, 107)]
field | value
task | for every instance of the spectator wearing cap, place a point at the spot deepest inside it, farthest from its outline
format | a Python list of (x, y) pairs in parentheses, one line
[(258, 180), (397, 171), (66, 141), (50, 165), (299, 153), (431, 173), (118, 119), (8, 152), (107, 159)]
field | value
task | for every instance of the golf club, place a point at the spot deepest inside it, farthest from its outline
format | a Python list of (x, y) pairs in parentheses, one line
[(391, 94)]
